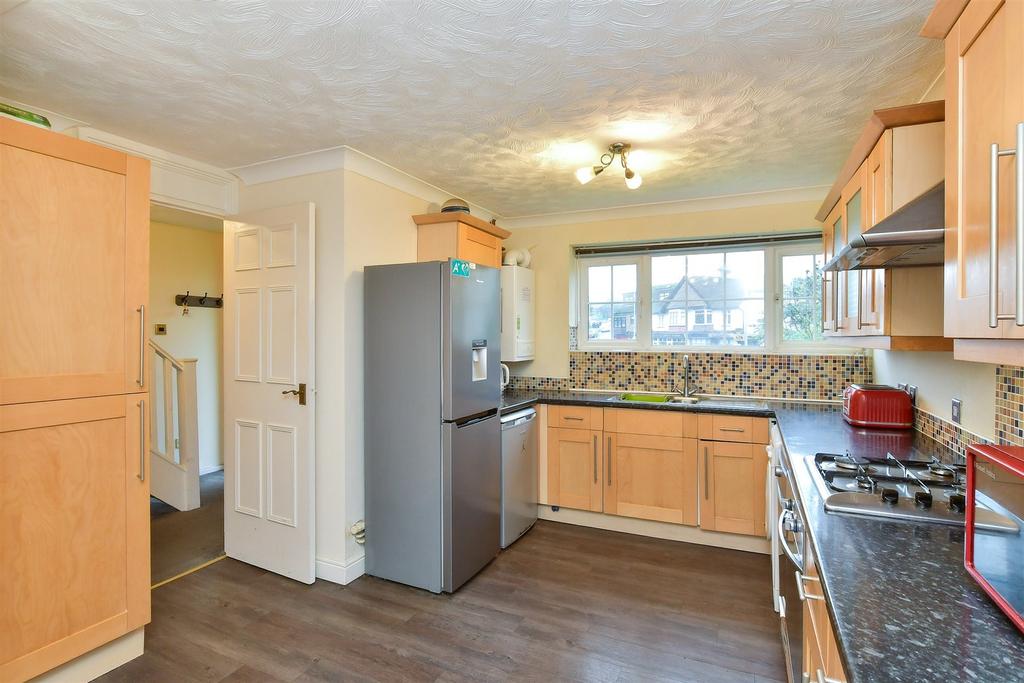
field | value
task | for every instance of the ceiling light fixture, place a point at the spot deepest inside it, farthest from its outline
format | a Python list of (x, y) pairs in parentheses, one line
[(620, 149)]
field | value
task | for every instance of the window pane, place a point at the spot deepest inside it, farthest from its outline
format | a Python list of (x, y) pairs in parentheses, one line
[(801, 275), (801, 298), (599, 322), (744, 272), (599, 283), (668, 297), (623, 283), (624, 322), (745, 323)]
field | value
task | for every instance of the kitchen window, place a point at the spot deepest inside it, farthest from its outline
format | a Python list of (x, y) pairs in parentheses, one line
[(749, 297)]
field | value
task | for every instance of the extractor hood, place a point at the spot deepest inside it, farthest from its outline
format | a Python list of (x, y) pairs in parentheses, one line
[(911, 236)]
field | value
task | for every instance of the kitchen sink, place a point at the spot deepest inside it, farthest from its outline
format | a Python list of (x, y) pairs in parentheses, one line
[(657, 398)]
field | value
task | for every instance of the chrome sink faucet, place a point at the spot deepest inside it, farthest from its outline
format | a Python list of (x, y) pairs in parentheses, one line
[(686, 392)]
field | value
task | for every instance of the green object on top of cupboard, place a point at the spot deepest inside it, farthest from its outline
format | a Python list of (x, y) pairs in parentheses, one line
[(23, 115)]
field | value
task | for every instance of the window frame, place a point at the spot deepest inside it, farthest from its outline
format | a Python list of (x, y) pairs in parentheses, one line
[(773, 319), (583, 322)]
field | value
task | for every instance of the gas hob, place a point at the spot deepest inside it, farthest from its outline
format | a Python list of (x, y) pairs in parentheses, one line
[(908, 490)]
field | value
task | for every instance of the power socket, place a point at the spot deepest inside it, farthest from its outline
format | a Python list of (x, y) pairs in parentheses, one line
[(957, 407)]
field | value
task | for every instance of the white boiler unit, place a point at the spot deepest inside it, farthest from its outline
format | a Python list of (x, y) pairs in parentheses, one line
[(517, 306)]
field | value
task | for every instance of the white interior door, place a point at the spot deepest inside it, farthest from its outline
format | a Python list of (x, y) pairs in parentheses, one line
[(268, 390)]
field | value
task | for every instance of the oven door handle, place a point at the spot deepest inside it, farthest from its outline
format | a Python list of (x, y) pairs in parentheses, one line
[(793, 557)]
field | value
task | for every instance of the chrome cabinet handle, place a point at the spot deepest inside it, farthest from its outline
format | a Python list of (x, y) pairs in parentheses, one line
[(739, 430), (140, 378), (860, 299), (993, 226), (824, 679), (705, 473), (595, 458), (1019, 207), (142, 440), (824, 295), (804, 596), (608, 456), (835, 302), (574, 419)]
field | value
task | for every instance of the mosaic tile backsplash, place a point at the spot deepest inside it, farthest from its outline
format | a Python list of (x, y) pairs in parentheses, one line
[(950, 435), (736, 374), (1010, 405)]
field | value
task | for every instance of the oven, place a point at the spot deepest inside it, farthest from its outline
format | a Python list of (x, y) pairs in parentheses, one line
[(787, 558)]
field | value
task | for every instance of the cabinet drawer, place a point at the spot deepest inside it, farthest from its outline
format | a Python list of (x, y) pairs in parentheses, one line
[(652, 422), (734, 428), (575, 417)]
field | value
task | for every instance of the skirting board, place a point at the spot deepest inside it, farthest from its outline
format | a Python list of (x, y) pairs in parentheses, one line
[(336, 572), (99, 661), (206, 469), (643, 527)]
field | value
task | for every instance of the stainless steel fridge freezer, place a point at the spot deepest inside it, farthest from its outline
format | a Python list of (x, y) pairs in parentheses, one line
[(432, 437)]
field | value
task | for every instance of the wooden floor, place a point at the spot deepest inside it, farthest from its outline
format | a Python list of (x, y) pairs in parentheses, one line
[(179, 540), (564, 603)]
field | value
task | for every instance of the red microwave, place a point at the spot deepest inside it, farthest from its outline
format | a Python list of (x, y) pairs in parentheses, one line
[(995, 558)]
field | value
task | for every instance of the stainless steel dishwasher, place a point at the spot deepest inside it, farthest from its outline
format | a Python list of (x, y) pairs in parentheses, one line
[(518, 474)]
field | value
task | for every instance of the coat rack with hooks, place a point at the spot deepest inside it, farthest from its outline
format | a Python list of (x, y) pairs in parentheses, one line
[(189, 300)]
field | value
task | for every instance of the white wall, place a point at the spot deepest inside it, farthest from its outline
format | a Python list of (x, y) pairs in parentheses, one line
[(183, 258), (378, 229), (359, 222), (939, 380)]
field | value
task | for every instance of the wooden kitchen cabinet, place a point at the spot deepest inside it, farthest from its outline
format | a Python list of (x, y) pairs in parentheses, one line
[(984, 107), (74, 485), (651, 477), (821, 659), (898, 157), (441, 236), (732, 479), (74, 529), (832, 236), (74, 267), (575, 464)]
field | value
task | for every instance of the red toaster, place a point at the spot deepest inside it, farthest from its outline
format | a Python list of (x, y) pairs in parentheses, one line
[(992, 554), (878, 405)]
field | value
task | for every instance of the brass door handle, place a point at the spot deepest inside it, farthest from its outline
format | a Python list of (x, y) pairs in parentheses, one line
[(300, 392)]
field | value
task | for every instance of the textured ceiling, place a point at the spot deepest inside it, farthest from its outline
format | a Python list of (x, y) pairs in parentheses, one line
[(485, 98)]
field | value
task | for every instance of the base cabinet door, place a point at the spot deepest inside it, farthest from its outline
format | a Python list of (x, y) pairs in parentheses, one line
[(731, 477), (651, 477), (575, 463), (74, 529)]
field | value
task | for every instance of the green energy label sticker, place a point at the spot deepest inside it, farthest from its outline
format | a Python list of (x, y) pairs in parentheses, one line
[(461, 268)]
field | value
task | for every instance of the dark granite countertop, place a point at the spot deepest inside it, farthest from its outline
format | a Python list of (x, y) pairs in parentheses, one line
[(512, 400), (903, 606)]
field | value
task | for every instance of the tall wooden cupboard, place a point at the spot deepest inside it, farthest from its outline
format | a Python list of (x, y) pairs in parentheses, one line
[(74, 477)]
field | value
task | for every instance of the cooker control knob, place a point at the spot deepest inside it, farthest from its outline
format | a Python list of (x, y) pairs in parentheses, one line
[(787, 504), (779, 472), (957, 502), (890, 496), (923, 499)]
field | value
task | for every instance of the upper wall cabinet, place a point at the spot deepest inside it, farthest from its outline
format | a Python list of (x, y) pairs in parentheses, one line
[(897, 159), (984, 280), (442, 236), (74, 267)]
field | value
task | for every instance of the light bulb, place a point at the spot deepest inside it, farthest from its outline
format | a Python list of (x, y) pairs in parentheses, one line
[(585, 174), (633, 180)]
